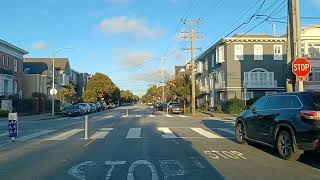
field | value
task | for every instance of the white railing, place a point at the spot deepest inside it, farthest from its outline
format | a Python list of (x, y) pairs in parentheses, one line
[(220, 85), (260, 84)]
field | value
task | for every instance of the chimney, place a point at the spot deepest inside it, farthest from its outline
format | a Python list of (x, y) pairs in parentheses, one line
[(273, 30)]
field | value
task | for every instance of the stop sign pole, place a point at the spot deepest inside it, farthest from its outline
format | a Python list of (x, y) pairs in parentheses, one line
[(301, 67)]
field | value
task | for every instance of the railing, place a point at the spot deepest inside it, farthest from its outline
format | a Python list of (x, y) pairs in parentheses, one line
[(220, 85), (6, 94), (260, 84), (204, 88)]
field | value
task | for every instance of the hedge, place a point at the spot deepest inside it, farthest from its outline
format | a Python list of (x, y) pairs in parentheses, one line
[(3, 113), (233, 106)]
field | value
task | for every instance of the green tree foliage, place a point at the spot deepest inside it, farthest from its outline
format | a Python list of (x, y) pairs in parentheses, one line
[(99, 87), (67, 94), (153, 94), (126, 96)]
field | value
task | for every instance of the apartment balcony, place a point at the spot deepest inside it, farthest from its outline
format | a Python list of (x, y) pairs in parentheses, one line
[(220, 85), (204, 89), (261, 84)]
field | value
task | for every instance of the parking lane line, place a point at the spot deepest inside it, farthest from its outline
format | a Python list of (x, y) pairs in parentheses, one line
[(134, 133), (152, 115), (66, 135), (206, 133), (166, 132)]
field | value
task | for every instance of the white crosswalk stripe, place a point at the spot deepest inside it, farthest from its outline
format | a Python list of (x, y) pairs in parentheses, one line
[(166, 132), (138, 115), (65, 135), (167, 115), (34, 135), (124, 116), (182, 116), (134, 133), (101, 134), (206, 133), (151, 115)]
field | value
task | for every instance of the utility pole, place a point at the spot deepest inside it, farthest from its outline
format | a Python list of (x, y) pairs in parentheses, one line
[(294, 40), (192, 37), (162, 73)]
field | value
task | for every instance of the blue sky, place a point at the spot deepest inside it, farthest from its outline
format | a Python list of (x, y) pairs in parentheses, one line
[(125, 38)]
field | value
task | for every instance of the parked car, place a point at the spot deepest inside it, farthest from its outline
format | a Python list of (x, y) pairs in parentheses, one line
[(175, 108), (104, 105), (171, 104), (162, 106), (74, 110), (93, 107), (288, 122), (99, 106), (86, 107)]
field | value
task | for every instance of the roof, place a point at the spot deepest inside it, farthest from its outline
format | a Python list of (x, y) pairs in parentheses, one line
[(59, 63), (35, 67), (13, 47), (316, 26), (254, 36)]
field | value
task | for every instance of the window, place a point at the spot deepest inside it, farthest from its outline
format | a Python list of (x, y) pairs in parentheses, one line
[(221, 54), (15, 87), (200, 67), (260, 104), (206, 64), (268, 93), (15, 65), (3, 59), (212, 60), (277, 50), (247, 95), (283, 102), (238, 52), (258, 52), (314, 75), (7, 63)]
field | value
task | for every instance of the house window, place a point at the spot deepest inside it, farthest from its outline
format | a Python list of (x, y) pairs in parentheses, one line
[(277, 50), (212, 60), (3, 59), (314, 75), (15, 65), (247, 95), (270, 92), (7, 63), (258, 52), (206, 65), (238, 52), (221, 54), (200, 67)]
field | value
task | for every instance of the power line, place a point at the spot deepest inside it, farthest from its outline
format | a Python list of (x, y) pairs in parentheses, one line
[(210, 7)]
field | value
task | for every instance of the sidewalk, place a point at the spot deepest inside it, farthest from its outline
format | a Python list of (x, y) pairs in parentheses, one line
[(213, 114), (35, 117)]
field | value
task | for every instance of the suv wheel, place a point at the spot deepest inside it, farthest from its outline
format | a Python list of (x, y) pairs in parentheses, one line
[(285, 146), (240, 134)]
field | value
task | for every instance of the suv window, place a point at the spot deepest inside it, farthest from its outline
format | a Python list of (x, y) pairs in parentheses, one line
[(313, 98), (283, 102), (260, 104)]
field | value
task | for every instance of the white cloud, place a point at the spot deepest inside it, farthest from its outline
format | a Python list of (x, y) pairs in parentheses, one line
[(133, 58), (154, 75), (133, 27), (39, 45)]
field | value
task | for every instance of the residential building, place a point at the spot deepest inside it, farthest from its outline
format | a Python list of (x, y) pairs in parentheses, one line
[(83, 79), (11, 70), (310, 48), (251, 63), (74, 77), (62, 70), (37, 79)]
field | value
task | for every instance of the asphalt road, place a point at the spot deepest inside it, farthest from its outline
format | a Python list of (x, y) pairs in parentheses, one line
[(141, 146)]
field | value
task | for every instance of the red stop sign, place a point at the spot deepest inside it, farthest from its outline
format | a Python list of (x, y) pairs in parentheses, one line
[(301, 67)]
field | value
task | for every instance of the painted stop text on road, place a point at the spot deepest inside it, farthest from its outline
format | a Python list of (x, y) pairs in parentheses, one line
[(232, 155)]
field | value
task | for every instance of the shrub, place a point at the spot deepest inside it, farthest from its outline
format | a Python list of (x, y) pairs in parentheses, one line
[(233, 106), (3, 113)]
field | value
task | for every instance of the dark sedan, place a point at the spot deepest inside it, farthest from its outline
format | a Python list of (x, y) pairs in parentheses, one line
[(288, 122), (74, 110)]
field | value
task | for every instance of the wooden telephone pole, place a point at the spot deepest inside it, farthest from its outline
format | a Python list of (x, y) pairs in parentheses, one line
[(192, 37)]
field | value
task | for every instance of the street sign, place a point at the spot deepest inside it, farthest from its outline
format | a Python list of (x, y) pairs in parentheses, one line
[(53, 91), (301, 67), (13, 125)]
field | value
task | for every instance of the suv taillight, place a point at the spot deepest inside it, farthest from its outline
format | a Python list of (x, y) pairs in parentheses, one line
[(314, 115)]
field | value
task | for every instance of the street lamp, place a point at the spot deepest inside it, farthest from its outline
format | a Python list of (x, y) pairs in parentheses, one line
[(54, 91)]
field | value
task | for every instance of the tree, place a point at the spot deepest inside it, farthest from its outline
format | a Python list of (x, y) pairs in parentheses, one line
[(115, 96), (99, 87), (126, 96), (67, 94)]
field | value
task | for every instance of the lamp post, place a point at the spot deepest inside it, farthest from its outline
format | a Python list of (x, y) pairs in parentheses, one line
[(53, 76)]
